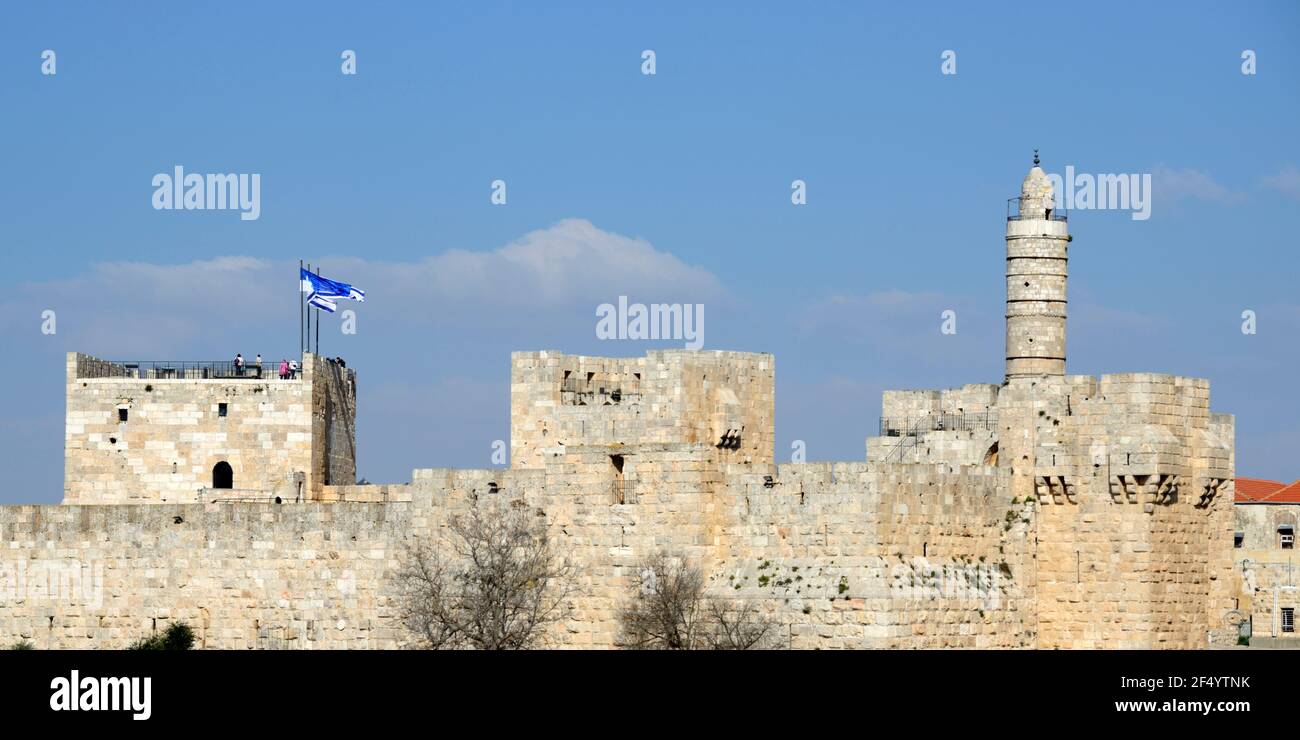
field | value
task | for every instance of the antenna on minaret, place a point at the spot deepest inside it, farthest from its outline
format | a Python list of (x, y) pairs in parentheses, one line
[(1035, 157)]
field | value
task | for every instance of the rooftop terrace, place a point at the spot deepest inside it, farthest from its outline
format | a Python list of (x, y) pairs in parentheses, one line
[(90, 367)]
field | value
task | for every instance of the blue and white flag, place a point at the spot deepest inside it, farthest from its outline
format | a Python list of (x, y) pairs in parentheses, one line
[(319, 286), (321, 302)]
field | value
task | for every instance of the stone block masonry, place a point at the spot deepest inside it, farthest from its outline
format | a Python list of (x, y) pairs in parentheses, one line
[(832, 566), (726, 399), (168, 439), (1051, 511)]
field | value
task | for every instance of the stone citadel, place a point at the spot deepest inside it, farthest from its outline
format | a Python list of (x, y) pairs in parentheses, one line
[(1047, 511)]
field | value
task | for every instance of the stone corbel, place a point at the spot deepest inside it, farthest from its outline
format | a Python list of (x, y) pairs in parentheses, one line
[(1124, 488), (1054, 489), (1212, 487), (1163, 488), (1160, 488)]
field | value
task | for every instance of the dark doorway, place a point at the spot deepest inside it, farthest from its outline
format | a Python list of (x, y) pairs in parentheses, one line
[(222, 475)]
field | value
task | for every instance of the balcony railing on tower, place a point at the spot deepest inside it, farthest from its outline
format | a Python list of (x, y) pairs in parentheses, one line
[(1053, 214), (909, 429), (180, 370), (911, 426)]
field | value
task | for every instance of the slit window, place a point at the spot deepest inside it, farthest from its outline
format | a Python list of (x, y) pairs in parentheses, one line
[(1288, 619), (221, 409), (1238, 538), (121, 415)]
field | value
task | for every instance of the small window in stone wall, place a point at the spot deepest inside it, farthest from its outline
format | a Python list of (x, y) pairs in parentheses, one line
[(121, 414), (1288, 541), (1288, 619), (1238, 538), (221, 409), (223, 476)]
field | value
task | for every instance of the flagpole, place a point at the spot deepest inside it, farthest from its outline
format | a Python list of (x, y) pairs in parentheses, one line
[(300, 311), (318, 318), (306, 337)]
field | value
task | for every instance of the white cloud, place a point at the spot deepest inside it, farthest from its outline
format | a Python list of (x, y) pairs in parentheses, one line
[(1286, 182), (570, 262), (152, 310), (1172, 185)]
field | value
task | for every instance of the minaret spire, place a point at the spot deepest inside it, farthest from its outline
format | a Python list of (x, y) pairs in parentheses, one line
[(1037, 236)]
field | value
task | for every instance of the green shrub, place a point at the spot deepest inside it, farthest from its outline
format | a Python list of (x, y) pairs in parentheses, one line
[(23, 645), (177, 636)]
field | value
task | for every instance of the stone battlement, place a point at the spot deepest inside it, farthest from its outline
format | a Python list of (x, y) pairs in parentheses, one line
[(1049, 511), (721, 399)]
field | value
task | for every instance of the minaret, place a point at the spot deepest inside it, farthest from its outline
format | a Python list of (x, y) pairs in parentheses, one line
[(1037, 239)]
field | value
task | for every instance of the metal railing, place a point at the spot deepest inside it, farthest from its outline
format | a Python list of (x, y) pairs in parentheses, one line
[(241, 496), (908, 429), (181, 370), (1054, 214), (911, 426), (905, 442)]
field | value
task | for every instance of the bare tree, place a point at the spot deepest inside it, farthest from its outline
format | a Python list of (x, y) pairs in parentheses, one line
[(739, 626), (499, 586), (669, 610), (666, 611)]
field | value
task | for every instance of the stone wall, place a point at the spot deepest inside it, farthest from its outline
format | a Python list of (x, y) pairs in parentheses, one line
[(275, 434), (334, 413), (1134, 518), (174, 435), (1084, 512), (1130, 476), (243, 575), (854, 555), (846, 555), (666, 397)]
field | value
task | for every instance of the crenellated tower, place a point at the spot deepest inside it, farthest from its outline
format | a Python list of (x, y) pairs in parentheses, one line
[(1037, 251)]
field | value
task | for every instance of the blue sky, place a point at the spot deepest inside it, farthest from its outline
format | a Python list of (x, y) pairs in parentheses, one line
[(672, 187)]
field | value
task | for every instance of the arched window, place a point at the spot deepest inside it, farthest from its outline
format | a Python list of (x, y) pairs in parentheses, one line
[(222, 475), (991, 457)]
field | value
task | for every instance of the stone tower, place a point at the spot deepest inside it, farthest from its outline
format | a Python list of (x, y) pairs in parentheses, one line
[(185, 432), (1037, 246)]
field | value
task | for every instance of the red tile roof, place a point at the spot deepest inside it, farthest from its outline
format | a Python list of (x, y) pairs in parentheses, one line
[(1288, 495), (1253, 489), (1259, 491)]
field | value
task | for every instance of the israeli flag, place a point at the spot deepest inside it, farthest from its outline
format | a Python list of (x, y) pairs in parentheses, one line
[(320, 286), (321, 302)]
